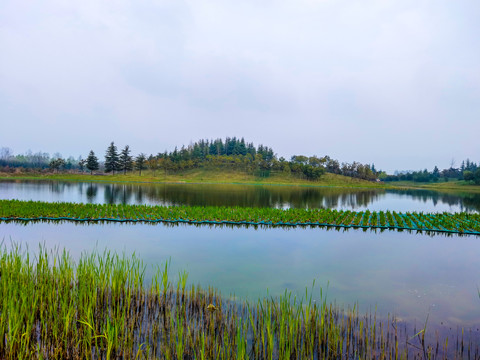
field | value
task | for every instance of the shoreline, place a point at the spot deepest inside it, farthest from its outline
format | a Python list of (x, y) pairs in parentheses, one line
[(229, 178)]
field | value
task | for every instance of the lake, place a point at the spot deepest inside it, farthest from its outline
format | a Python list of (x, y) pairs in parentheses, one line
[(241, 195), (409, 274)]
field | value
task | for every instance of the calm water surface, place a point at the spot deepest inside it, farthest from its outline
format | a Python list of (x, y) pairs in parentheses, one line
[(408, 274), (240, 195)]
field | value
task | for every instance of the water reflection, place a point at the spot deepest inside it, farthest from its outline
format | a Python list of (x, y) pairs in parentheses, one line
[(91, 192), (168, 223), (241, 195), (465, 201)]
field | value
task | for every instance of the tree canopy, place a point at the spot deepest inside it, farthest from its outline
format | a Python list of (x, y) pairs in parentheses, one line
[(92, 162), (140, 163), (112, 161), (125, 160)]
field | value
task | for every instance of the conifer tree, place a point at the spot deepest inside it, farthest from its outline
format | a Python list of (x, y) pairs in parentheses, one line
[(140, 163), (126, 161), (112, 162), (92, 162)]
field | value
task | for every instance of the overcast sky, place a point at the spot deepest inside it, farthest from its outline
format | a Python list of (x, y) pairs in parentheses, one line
[(395, 83)]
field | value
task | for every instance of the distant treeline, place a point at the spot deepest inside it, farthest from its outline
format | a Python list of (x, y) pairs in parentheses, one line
[(468, 171), (234, 154), (33, 161), (231, 153)]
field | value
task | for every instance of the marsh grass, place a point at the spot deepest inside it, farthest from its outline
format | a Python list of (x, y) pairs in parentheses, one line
[(101, 308)]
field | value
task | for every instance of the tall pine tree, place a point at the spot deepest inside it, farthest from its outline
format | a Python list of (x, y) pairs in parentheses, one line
[(92, 162), (126, 161), (140, 163), (112, 162)]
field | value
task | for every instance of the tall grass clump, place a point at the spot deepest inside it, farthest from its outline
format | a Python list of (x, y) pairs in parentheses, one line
[(101, 308), (458, 223)]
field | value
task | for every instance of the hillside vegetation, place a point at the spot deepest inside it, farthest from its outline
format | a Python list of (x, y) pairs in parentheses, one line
[(224, 176)]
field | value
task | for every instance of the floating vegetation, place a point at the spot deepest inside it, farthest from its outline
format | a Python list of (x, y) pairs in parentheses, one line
[(101, 308), (461, 223)]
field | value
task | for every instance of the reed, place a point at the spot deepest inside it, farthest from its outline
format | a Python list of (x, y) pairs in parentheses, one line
[(456, 223), (101, 308)]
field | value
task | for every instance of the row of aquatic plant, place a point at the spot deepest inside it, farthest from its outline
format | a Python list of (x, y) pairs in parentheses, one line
[(465, 223), (102, 308)]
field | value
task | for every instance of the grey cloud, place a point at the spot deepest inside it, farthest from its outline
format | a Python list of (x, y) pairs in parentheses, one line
[(373, 81)]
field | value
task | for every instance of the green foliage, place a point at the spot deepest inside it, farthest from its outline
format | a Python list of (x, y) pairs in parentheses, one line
[(465, 172), (125, 160), (140, 163), (81, 164), (312, 172), (468, 175), (476, 177), (153, 164), (56, 164), (299, 159), (92, 162), (464, 223), (112, 161), (472, 176)]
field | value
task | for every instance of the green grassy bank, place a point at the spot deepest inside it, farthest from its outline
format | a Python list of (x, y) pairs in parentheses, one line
[(458, 223), (102, 308), (210, 176), (457, 186), (202, 176)]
